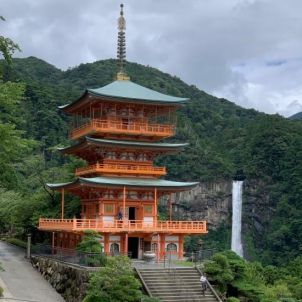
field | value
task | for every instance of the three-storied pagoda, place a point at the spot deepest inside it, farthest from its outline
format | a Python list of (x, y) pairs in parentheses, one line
[(118, 128)]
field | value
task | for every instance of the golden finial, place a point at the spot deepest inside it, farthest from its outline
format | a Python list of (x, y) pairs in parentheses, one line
[(121, 47)]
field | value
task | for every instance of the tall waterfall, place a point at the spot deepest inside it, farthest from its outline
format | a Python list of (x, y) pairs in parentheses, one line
[(236, 218)]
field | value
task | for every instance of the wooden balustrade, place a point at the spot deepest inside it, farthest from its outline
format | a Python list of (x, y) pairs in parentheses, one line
[(118, 226), (117, 127), (122, 169)]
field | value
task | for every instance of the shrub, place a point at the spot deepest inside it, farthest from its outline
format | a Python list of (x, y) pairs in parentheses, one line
[(17, 242), (115, 282), (233, 299), (91, 249)]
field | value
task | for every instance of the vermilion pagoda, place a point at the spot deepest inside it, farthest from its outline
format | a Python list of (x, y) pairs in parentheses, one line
[(118, 128)]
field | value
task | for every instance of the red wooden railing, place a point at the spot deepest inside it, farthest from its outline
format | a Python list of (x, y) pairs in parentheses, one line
[(117, 127), (122, 169), (185, 227)]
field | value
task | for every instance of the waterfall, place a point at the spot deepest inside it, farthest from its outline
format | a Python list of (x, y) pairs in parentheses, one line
[(236, 218)]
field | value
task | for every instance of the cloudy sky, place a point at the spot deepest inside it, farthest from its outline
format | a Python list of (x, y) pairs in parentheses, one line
[(248, 51)]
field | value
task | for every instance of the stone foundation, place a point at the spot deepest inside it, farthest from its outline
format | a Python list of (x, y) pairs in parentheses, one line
[(70, 282)]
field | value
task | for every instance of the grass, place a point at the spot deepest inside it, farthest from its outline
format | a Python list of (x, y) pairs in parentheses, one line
[(183, 263), (17, 242)]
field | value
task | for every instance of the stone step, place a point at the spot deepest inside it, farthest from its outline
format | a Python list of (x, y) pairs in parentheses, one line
[(176, 285)]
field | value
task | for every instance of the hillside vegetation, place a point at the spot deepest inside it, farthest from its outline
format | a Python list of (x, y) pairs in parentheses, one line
[(223, 138)]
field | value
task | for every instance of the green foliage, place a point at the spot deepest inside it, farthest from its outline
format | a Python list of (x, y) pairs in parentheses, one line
[(232, 299), (91, 244), (223, 138), (115, 282), (250, 281), (7, 47), (17, 242)]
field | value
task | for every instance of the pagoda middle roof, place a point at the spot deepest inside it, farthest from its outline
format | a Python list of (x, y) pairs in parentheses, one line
[(129, 91), (119, 182), (120, 143)]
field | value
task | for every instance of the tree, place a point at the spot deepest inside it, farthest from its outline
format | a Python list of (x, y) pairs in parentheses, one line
[(92, 249), (7, 46), (115, 282)]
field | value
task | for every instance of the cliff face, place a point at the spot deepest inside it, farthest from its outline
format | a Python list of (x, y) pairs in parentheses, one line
[(213, 202), (208, 201)]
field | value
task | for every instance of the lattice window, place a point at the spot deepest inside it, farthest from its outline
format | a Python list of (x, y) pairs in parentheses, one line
[(172, 247), (109, 208), (148, 209), (154, 247)]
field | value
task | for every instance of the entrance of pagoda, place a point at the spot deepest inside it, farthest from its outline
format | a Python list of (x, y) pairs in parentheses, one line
[(133, 244), (132, 213)]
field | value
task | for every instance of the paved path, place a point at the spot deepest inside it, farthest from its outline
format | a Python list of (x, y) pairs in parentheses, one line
[(21, 282)]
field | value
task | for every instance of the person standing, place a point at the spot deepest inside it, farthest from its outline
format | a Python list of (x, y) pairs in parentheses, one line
[(203, 282)]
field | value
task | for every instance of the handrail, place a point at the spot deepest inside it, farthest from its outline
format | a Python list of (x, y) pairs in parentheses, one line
[(125, 225), (119, 126), (121, 167), (143, 282), (210, 286)]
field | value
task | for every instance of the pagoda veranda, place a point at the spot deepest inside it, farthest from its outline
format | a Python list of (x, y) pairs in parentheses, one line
[(118, 130)]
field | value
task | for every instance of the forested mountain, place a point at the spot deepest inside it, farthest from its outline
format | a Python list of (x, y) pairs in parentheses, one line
[(223, 137), (296, 116)]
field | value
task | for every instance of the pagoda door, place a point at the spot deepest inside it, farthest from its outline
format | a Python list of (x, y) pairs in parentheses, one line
[(91, 211)]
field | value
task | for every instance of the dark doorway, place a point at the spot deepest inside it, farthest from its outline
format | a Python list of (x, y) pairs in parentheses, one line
[(133, 247), (131, 213)]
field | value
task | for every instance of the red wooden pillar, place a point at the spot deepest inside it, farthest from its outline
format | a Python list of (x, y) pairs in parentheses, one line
[(126, 245), (124, 203), (106, 244), (162, 246), (62, 203), (180, 247), (155, 205), (158, 248)]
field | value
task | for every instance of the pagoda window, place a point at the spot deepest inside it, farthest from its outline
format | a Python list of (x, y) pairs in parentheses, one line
[(110, 155), (172, 247), (148, 209), (108, 208), (114, 249), (154, 247)]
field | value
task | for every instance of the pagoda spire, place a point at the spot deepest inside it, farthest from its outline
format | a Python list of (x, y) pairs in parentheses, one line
[(121, 47)]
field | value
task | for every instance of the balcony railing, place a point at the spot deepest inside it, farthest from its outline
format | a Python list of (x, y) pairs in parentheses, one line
[(118, 226), (117, 127), (133, 169)]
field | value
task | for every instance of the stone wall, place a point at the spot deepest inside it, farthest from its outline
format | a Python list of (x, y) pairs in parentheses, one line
[(70, 282), (207, 201)]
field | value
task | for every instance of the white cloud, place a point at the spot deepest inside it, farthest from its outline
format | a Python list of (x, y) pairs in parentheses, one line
[(245, 50)]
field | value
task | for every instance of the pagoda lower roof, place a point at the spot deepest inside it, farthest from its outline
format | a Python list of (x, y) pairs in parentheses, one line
[(122, 144), (118, 182), (128, 91)]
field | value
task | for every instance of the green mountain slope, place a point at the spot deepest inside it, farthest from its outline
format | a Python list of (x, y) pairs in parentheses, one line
[(223, 138), (297, 116)]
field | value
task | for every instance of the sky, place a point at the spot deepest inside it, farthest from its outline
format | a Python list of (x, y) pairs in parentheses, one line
[(247, 51)]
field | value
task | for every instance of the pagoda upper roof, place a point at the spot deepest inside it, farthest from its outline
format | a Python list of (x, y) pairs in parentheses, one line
[(118, 182), (123, 144), (125, 90)]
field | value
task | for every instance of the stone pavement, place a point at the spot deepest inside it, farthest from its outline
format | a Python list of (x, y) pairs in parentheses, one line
[(21, 282)]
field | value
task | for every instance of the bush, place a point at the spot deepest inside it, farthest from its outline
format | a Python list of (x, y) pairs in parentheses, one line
[(92, 250), (233, 299), (17, 242), (116, 282)]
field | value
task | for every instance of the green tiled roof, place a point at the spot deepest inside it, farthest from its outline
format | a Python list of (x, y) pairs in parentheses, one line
[(130, 90), (128, 182), (121, 143), (127, 90)]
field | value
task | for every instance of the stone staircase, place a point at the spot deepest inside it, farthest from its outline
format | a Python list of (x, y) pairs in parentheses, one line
[(177, 284)]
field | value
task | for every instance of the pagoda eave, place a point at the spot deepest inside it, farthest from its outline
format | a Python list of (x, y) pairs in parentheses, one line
[(120, 183)]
